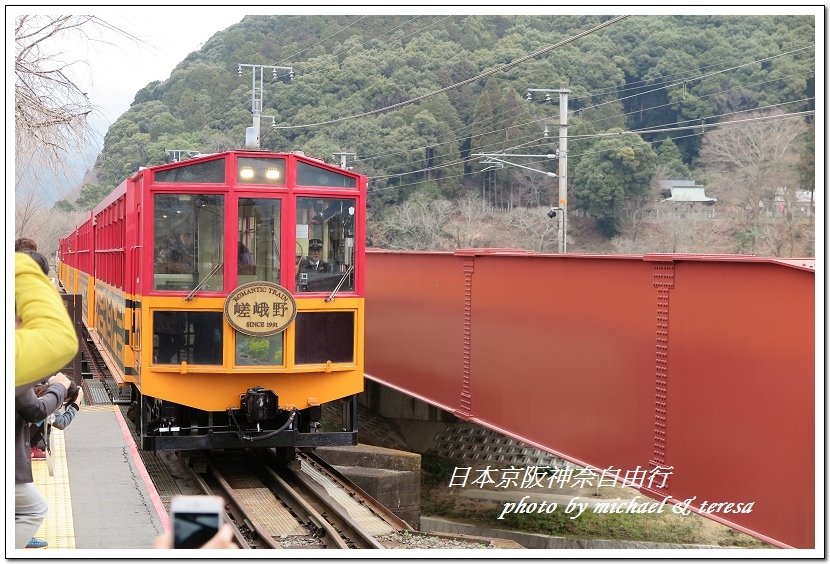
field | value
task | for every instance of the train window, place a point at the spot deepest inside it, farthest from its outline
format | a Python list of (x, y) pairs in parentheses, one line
[(194, 337), (188, 242), (325, 244), (253, 170), (211, 172), (324, 336), (259, 240), (258, 351), (310, 175)]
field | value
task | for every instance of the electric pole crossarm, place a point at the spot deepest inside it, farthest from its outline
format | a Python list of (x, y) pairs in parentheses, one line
[(343, 158), (257, 98)]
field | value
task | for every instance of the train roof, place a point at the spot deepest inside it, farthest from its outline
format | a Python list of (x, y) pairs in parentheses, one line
[(298, 155), (197, 158)]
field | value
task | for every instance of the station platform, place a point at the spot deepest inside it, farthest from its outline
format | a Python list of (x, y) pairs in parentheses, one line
[(100, 497)]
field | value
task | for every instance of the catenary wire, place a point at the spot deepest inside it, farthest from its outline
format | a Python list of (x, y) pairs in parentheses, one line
[(499, 68)]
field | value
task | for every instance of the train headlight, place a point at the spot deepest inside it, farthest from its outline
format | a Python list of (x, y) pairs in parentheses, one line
[(272, 174), (260, 404)]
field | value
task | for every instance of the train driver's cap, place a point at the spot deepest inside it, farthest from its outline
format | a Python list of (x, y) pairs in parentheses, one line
[(315, 244)]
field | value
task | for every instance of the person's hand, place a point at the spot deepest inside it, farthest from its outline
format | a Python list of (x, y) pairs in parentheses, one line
[(60, 378), (80, 397), (222, 539)]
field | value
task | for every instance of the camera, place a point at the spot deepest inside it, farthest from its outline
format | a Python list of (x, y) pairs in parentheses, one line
[(552, 213), (71, 394)]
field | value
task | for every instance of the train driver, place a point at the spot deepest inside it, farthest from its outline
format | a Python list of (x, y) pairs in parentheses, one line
[(314, 262), (310, 266)]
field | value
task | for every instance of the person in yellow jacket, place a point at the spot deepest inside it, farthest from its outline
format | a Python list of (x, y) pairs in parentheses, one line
[(45, 339)]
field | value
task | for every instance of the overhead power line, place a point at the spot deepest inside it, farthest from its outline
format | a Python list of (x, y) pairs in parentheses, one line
[(681, 82), (499, 68), (725, 124), (698, 126), (482, 133), (679, 78)]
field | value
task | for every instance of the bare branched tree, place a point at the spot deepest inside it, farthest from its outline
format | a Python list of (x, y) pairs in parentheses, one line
[(417, 224), (749, 165), (468, 227), (52, 127), (534, 229), (679, 232), (50, 109)]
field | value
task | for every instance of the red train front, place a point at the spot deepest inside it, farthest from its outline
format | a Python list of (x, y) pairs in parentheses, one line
[(227, 292)]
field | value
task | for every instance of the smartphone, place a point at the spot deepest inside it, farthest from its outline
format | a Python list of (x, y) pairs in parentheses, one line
[(196, 519)]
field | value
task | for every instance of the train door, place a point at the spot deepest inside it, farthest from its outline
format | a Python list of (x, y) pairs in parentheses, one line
[(132, 233), (259, 252), (258, 240)]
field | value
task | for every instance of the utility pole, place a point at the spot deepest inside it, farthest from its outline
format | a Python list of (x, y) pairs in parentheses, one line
[(343, 158), (257, 85), (563, 158)]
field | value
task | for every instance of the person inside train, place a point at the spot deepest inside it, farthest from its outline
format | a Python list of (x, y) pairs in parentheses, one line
[(245, 259), (314, 262), (39, 434), (30, 508), (179, 256)]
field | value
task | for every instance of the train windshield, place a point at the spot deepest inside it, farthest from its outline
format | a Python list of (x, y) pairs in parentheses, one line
[(310, 175), (188, 241), (325, 244), (258, 245)]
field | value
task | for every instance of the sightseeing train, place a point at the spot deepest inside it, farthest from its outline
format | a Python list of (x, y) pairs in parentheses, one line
[(225, 294)]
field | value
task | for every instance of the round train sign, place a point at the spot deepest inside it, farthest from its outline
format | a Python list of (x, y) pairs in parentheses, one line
[(260, 308)]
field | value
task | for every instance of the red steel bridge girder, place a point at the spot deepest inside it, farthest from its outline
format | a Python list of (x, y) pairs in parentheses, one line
[(702, 363)]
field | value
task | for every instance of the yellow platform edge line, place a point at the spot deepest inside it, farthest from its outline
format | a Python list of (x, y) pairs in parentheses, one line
[(58, 528)]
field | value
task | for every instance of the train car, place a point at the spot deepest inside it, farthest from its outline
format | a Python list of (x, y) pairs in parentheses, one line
[(225, 292)]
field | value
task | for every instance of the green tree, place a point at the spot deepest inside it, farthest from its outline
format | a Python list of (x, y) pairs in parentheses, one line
[(91, 195), (64, 205), (616, 170), (670, 160), (646, 72)]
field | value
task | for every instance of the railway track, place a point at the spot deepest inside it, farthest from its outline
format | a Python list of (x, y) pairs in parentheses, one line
[(96, 380), (306, 505)]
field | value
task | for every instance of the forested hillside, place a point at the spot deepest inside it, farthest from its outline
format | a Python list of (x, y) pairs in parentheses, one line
[(675, 76)]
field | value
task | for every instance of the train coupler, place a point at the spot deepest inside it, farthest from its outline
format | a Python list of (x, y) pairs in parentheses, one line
[(259, 404)]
